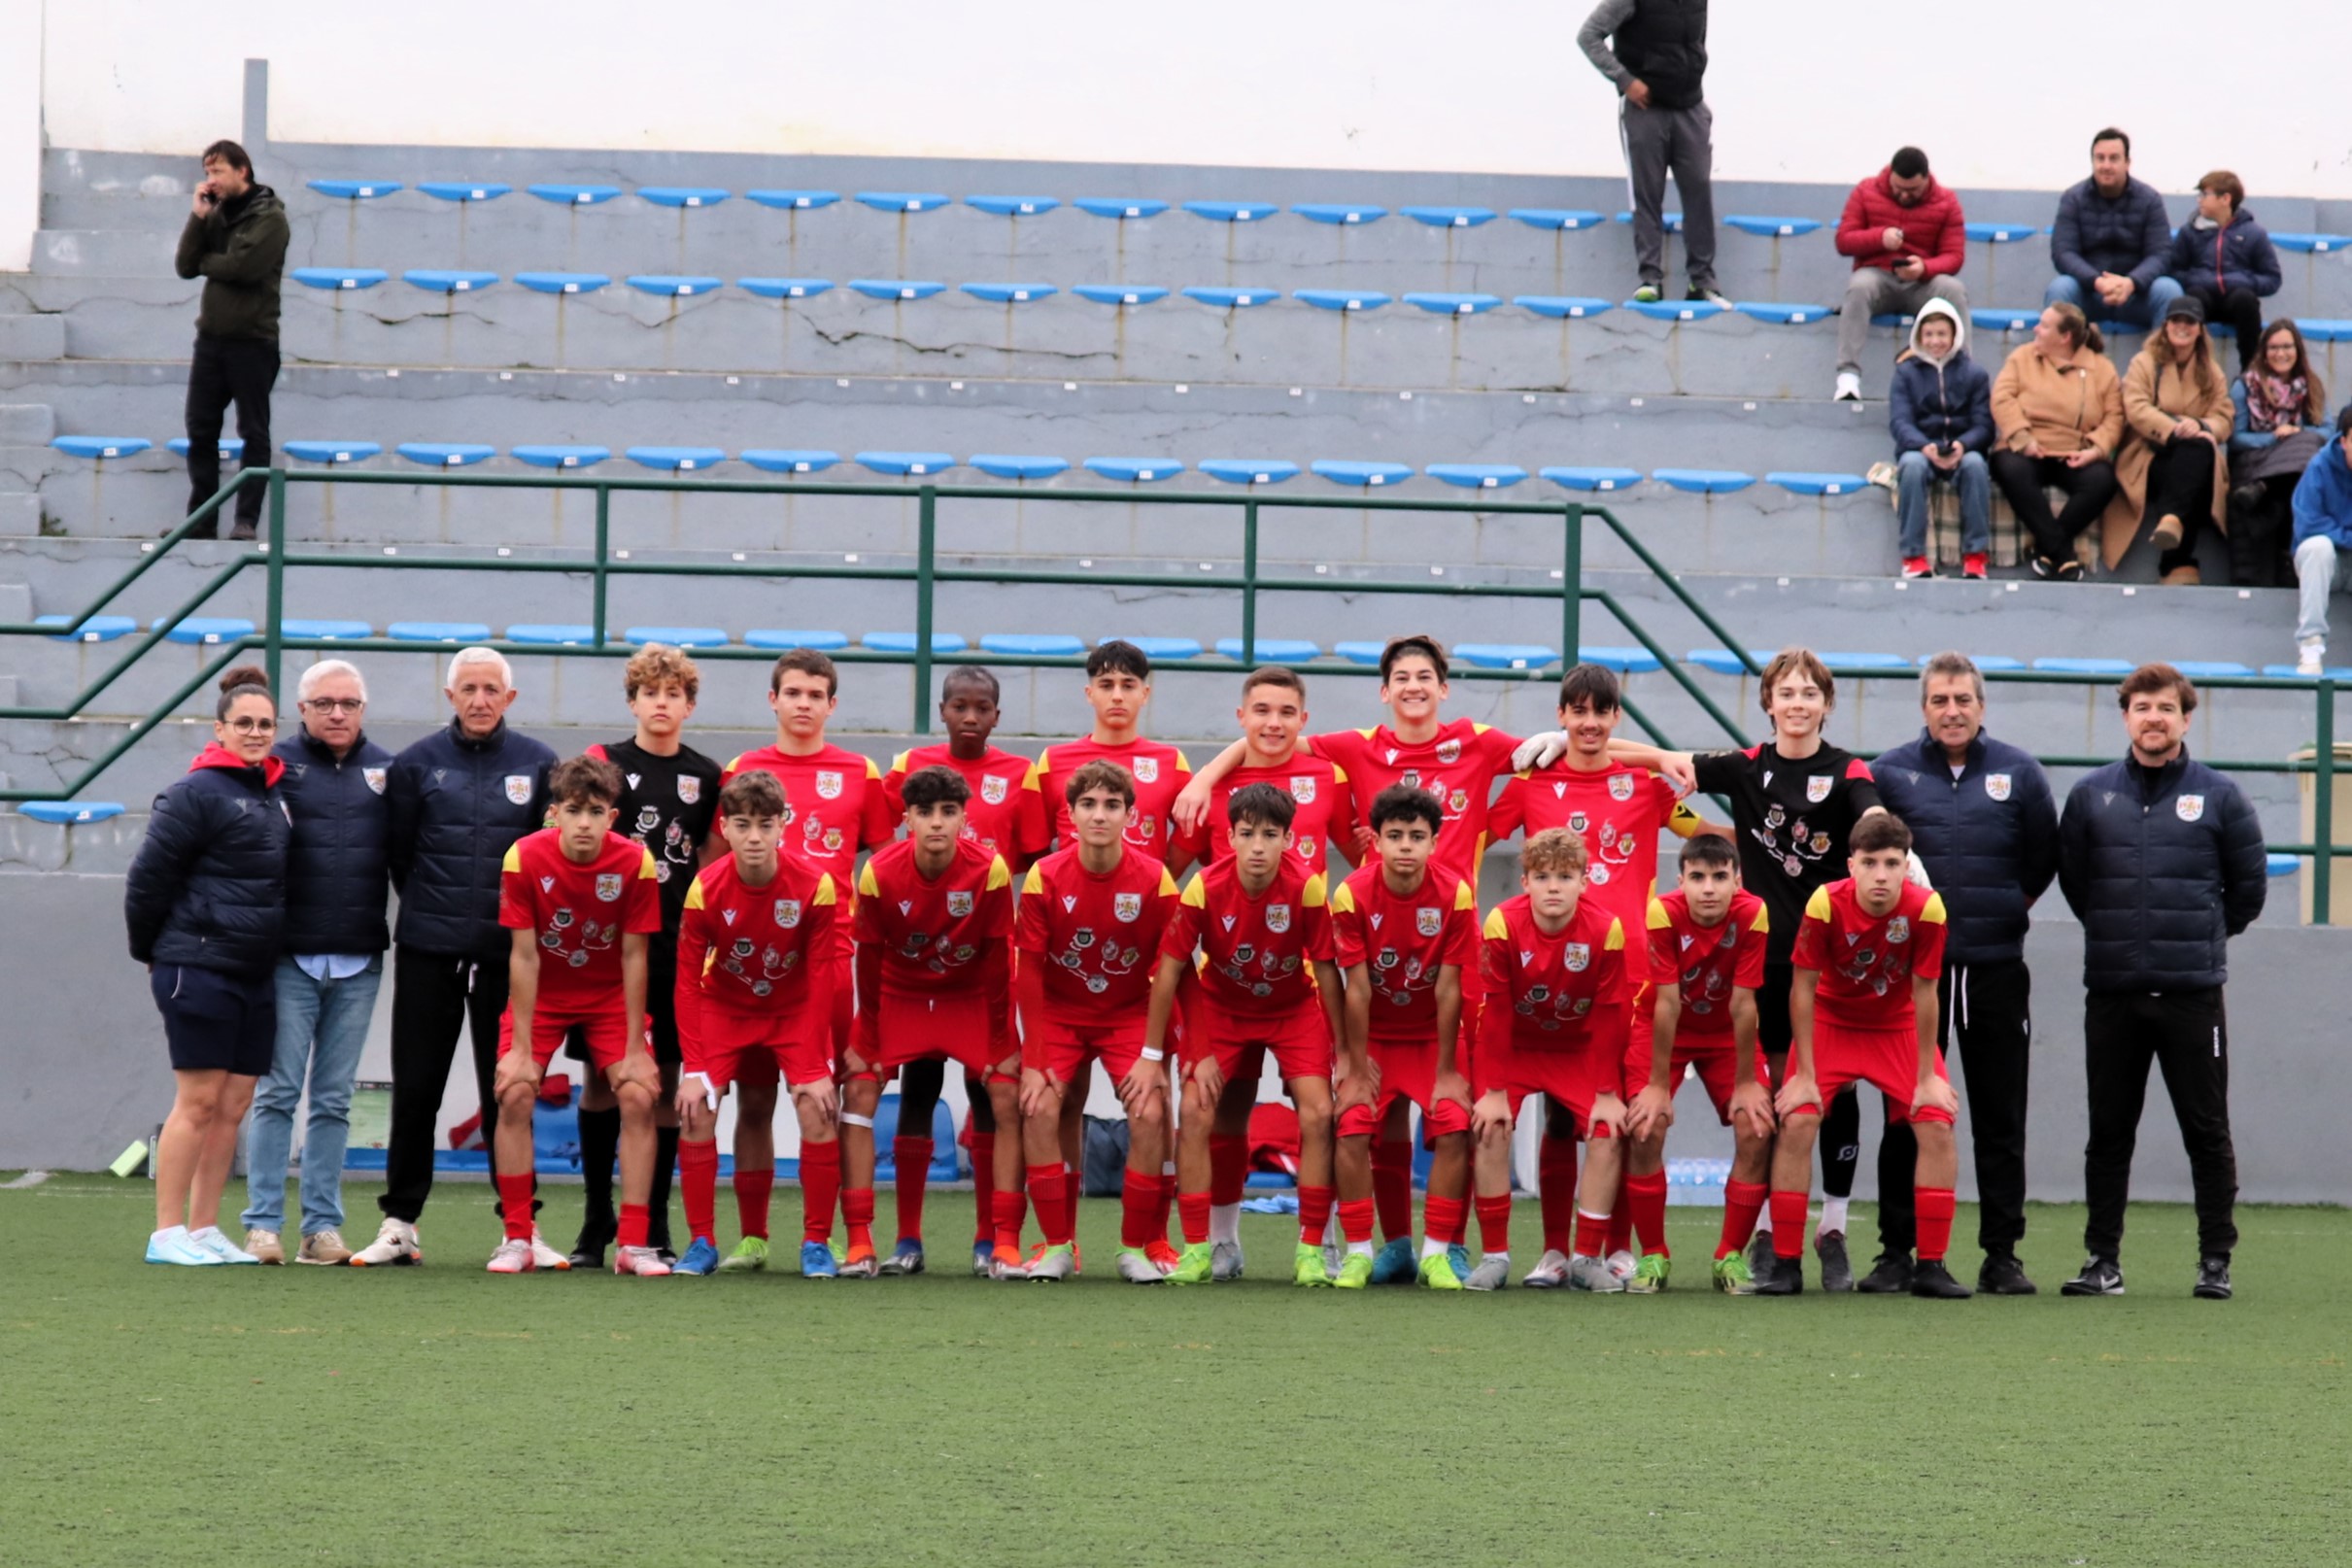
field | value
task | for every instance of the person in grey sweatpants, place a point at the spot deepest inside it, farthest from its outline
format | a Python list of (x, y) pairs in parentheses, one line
[(1655, 53)]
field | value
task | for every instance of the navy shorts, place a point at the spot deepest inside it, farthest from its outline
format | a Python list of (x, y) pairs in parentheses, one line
[(216, 1022)]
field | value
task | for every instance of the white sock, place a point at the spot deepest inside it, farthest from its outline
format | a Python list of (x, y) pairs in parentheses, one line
[(1359, 1250), (1833, 1216), (1432, 1249), (1225, 1223)]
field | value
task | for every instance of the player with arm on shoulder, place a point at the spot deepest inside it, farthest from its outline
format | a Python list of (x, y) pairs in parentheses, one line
[(1403, 933), (754, 986), (1869, 954), (581, 901)]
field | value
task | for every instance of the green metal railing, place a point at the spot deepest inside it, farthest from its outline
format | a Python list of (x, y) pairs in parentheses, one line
[(927, 576)]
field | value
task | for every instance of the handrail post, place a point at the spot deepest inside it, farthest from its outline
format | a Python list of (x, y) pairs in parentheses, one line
[(2323, 809), (1250, 582), (603, 540), (273, 647), (927, 529), (1572, 583)]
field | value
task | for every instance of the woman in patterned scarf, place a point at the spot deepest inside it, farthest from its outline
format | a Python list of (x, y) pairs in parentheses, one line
[(2282, 409)]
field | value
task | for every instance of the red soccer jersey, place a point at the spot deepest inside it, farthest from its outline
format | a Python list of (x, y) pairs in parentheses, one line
[(1160, 773), (1867, 965), (834, 804), (580, 912), (1459, 765), (1003, 816), (1543, 991), (1095, 940), (1326, 811), (932, 935), (1619, 812), (1401, 944), (746, 949), (1707, 962), (1258, 954)]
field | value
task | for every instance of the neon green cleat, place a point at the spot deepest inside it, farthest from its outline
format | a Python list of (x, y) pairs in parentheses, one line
[(1309, 1268), (1436, 1273), (1649, 1275), (1732, 1276), (1355, 1272), (750, 1253), (1195, 1266)]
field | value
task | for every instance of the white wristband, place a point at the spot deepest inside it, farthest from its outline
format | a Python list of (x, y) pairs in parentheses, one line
[(1150, 1055)]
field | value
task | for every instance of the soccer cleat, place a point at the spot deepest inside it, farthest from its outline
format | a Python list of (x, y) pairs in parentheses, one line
[(2004, 1276), (1393, 1264), (816, 1260), (1595, 1276), (1494, 1272), (1647, 295), (1889, 1276), (700, 1258), (1623, 1263), (669, 1259), (323, 1247), (2100, 1277), (587, 1257), (1163, 1254), (220, 1246), (1649, 1276), (1056, 1264), (1195, 1265), (1972, 566), (1309, 1269), (1786, 1279), (544, 1256), (1459, 1257), (173, 1246), (395, 1242), (1355, 1272), (1837, 1272), (1760, 1255), (1136, 1268), (751, 1253), (1931, 1280), (1007, 1264), (266, 1246), (588, 1250), (905, 1259), (644, 1262), (1848, 388), (1077, 1256), (2212, 1279), (1436, 1273), (983, 1259), (1732, 1276), (1916, 568), (1225, 1260), (1550, 1272), (513, 1257), (861, 1263)]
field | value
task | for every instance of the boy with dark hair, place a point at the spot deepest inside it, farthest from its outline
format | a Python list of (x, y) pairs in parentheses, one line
[(581, 901), (1260, 924)]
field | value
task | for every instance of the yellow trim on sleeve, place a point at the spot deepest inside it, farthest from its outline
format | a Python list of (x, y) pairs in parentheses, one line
[(693, 894), (1194, 897), (1463, 898), (1617, 935), (1168, 885), (826, 896), (1933, 912), (1031, 884), (1316, 895), (1660, 919), (1342, 901), (1817, 908), (867, 887), (514, 857), (1497, 928), (1683, 822), (999, 874), (647, 872)]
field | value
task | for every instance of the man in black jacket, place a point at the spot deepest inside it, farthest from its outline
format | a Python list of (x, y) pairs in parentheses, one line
[(235, 240), (1655, 53), (2162, 858), (1985, 824), (459, 800)]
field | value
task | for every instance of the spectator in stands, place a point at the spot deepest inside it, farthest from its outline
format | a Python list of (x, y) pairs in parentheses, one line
[(2322, 542), (235, 240), (1908, 241), (2224, 260), (459, 800), (1655, 51), (1941, 405), (329, 964), (205, 903), (2161, 859), (2281, 426), (2111, 240), (2171, 466), (2058, 417)]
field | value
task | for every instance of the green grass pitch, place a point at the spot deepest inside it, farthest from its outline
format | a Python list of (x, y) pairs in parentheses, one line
[(436, 1415)]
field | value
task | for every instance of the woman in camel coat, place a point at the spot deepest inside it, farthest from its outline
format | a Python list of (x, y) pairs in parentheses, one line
[(2176, 465), (2057, 416)]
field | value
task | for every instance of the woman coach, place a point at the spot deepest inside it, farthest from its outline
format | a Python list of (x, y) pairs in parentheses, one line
[(205, 904)]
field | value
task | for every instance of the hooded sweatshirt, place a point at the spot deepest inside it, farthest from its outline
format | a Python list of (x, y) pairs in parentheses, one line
[(1933, 402), (208, 886), (2323, 498)]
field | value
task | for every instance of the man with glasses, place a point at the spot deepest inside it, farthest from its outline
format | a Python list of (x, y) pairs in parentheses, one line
[(330, 965)]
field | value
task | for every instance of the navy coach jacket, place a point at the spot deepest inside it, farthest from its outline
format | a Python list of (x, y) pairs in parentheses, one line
[(2162, 865), (337, 870), (1988, 838), (208, 886), (457, 805)]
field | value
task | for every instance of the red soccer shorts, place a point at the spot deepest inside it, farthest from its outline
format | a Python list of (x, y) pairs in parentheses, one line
[(1069, 1048), (792, 1045), (1407, 1073), (1709, 1054), (1570, 1075), (954, 1027), (1887, 1059), (1300, 1039), (603, 1028)]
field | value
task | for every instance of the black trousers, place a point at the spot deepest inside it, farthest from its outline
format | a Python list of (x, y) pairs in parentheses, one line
[(2238, 309), (2262, 529), (2187, 1035), (226, 370), (434, 995), (1985, 1018), (2088, 490)]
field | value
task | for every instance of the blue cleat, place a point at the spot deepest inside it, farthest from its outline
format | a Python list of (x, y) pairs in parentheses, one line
[(1459, 1257), (817, 1261), (698, 1259), (905, 1259), (984, 1253), (1395, 1264)]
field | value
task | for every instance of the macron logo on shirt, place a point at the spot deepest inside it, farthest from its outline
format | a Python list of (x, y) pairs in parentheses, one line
[(1069, 901)]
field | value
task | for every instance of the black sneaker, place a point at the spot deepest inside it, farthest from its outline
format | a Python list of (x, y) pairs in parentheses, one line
[(1782, 1277), (2044, 567), (1932, 1280), (2004, 1276), (242, 529), (2100, 1277), (2069, 571), (666, 1255), (2212, 1279), (588, 1252), (1891, 1276), (1709, 293), (1837, 1273), (1760, 1255)]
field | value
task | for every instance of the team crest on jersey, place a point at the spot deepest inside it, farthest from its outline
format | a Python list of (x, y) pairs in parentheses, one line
[(1146, 770), (1996, 785), (374, 778), (1429, 921), (1410, 777), (1620, 786), (2190, 806), (1302, 788), (1448, 752), (1305, 847), (832, 840), (1579, 957), (1898, 930), (1127, 906), (992, 790), (518, 788), (1278, 918), (608, 887), (828, 786), (1458, 801), (959, 903), (1817, 788), (690, 788), (1578, 822), (1600, 875)]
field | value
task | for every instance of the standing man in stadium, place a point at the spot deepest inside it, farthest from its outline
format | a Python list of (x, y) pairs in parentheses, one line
[(2161, 859), (1655, 53), (235, 240), (461, 797), (1983, 820)]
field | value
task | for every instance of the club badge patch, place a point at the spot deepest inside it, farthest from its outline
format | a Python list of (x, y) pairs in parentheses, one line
[(1448, 752), (1127, 906), (1146, 770), (1578, 822), (608, 887), (1305, 848), (828, 786), (1817, 788), (1898, 930), (1278, 918), (1429, 921), (1458, 801), (788, 912), (374, 778), (959, 903), (690, 788), (1996, 785), (1578, 955), (2191, 808), (518, 788), (1302, 788), (1620, 786), (993, 789), (1410, 778)]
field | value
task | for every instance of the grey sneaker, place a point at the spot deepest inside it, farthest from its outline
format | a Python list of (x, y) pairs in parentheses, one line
[(1494, 1272), (1595, 1276), (1050, 1267), (1225, 1260), (1134, 1268), (1760, 1255), (1550, 1272), (1837, 1271)]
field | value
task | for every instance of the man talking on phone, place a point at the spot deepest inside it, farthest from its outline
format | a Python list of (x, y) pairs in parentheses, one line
[(235, 241)]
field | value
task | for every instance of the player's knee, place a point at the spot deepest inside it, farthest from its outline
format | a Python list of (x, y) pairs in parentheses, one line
[(1316, 1117), (636, 1100), (1934, 1136), (515, 1099), (1451, 1143)]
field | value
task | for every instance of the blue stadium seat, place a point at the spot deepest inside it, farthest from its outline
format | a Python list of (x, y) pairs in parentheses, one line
[(1039, 644), (573, 196), (1158, 649), (1014, 205), (1983, 661), (1626, 661), (2199, 670), (941, 642), (437, 632), (101, 445), (1450, 217), (2333, 672), (354, 190), (2004, 321), (1783, 314), (562, 282), (1593, 479), (1895, 320), (1675, 310), (2085, 667), (1723, 661), (1119, 294), (683, 196), (2312, 244), (2325, 329), (1705, 481), (462, 190), (1335, 212), (97, 629), (1005, 466), (1671, 222), (793, 200), (1249, 471), (783, 287), (327, 630), (1476, 475), (210, 628), (1813, 484), (1504, 655), (1232, 299), (1357, 652), (559, 457), (672, 286), (446, 453), (895, 289), (678, 636), (2001, 233), (786, 639), (332, 452), (1010, 293), (1770, 227), (1370, 475), (70, 811), (1563, 307), (1448, 304), (791, 460), (1840, 661), (676, 460), (1560, 218), (1135, 470), (544, 634), (1272, 650), (1233, 212), (1339, 298), (339, 276), (903, 465), (448, 280), (902, 201), (232, 448), (2281, 865), (1121, 206)]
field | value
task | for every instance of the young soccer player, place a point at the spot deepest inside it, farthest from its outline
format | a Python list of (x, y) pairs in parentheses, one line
[(669, 798), (1273, 721), (1706, 958), (1868, 953), (934, 925), (1555, 1024), (834, 807), (1403, 935), (756, 975), (1009, 818), (1260, 924), (581, 901), (1090, 922)]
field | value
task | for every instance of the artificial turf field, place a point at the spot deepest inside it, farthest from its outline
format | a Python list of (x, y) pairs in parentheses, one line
[(437, 1415)]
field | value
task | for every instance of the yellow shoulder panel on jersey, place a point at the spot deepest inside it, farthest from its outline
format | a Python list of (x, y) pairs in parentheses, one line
[(871, 771), (898, 763), (693, 894), (514, 857), (1763, 917), (1194, 896), (867, 887), (999, 874), (1682, 820), (1463, 898), (1342, 900), (735, 762), (1033, 884), (1184, 763), (1369, 734), (1660, 919), (1617, 935), (1525, 774), (1933, 912), (825, 895), (1168, 885), (1497, 928), (1477, 728), (1317, 892), (1817, 908), (647, 872), (1339, 774), (1039, 770)]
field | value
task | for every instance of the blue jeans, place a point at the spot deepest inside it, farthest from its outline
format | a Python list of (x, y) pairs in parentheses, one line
[(322, 1025), (2144, 308), (1915, 474)]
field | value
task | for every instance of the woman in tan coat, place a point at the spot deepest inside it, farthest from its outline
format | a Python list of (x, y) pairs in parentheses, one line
[(2057, 416), (2174, 466)]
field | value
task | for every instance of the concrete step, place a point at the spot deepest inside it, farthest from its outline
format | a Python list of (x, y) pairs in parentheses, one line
[(32, 337), (27, 424)]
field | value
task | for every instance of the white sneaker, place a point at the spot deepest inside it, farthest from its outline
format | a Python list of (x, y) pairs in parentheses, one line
[(543, 1256), (395, 1242), (220, 1246), (1848, 388), (1134, 1268), (1623, 1264), (1550, 1272), (512, 1257), (1591, 1273), (1494, 1272), (642, 1261), (1225, 1260), (2310, 656), (172, 1246)]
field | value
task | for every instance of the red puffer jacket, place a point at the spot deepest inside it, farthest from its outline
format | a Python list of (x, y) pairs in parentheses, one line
[(1934, 230)]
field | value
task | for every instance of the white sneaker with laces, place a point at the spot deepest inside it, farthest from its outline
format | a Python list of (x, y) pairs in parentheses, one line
[(1848, 388), (2310, 656), (513, 1257), (1591, 1273), (172, 1246), (395, 1242), (1550, 1272), (543, 1256), (220, 1246)]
